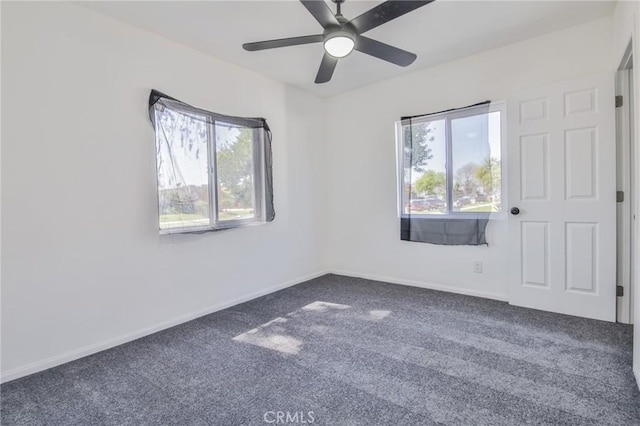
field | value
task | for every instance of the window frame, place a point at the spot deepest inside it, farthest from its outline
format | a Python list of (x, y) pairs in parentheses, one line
[(448, 116), (258, 156)]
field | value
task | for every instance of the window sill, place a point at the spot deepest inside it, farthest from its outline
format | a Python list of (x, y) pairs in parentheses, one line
[(221, 227), (501, 215)]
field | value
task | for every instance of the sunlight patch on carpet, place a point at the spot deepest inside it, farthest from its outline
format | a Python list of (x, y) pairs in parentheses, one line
[(271, 335), (274, 334), (378, 315)]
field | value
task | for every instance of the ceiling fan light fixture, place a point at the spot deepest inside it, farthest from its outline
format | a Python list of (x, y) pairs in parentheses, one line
[(339, 44)]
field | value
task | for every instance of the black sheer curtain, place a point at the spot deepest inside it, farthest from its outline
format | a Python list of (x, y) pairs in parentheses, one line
[(197, 118), (418, 220)]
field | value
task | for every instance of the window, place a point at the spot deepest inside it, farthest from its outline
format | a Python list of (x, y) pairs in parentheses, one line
[(213, 170), (449, 163)]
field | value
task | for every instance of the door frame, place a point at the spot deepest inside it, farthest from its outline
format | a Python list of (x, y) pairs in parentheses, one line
[(626, 178)]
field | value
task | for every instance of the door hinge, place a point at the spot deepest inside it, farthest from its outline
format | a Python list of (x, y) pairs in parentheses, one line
[(619, 196), (619, 101), (619, 291)]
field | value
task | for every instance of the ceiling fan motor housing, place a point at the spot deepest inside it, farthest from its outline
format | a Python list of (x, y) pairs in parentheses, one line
[(345, 28)]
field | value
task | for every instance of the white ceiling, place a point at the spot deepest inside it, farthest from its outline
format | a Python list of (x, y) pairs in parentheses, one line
[(438, 32)]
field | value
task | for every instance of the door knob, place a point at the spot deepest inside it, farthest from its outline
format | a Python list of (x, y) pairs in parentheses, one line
[(515, 211)]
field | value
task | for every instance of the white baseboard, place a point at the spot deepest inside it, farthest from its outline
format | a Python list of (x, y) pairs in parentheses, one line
[(107, 344), (422, 284), (45, 364), (636, 373)]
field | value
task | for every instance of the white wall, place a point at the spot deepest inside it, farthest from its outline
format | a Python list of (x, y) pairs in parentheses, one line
[(83, 265), (626, 24), (364, 230)]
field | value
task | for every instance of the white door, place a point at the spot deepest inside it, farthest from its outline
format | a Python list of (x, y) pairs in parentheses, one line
[(562, 178)]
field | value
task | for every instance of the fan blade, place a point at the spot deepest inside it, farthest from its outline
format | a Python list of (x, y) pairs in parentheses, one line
[(385, 12), (327, 66), (384, 51), (282, 42), (322, 13)]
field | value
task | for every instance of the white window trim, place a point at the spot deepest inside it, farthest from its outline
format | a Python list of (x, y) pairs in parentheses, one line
[(499, 106), (215, 224)]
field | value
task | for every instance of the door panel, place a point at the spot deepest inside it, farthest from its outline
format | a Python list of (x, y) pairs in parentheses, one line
[(561, 158), (535, 254), (581, 257), (534, 167), (580, 154)]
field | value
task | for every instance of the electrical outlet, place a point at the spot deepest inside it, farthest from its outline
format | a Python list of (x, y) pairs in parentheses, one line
[(477, 266)]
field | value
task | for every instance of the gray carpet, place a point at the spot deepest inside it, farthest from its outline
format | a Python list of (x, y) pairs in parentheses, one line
[(351, 352)]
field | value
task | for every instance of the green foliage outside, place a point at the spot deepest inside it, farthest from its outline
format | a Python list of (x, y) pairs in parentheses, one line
[(431, 182), (489, 175), (416, 146), (235, 172)]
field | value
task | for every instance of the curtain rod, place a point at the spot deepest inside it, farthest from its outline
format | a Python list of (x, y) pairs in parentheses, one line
[(409, 117)]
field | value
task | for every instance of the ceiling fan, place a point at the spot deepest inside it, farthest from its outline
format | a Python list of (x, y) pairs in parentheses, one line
[(341, 36)]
